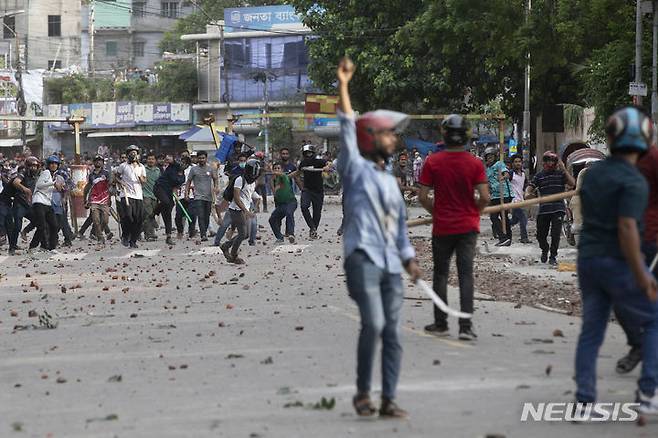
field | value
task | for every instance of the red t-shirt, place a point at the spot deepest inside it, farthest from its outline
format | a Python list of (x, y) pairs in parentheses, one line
[(648, 165), (453, 176)]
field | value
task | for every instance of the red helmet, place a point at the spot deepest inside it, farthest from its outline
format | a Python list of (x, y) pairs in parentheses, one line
[(260, 155), (381, 120)]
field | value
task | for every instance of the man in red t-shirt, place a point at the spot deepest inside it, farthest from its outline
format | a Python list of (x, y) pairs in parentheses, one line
[(455, 176)]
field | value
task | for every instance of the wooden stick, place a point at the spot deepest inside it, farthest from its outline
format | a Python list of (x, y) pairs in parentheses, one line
[(508, 206)]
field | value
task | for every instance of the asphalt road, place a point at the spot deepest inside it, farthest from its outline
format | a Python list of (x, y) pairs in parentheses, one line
[(175, 342)]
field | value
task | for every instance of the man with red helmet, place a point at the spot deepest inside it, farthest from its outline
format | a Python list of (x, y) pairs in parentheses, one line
[(454, 175), (551, 180), (376, 244)]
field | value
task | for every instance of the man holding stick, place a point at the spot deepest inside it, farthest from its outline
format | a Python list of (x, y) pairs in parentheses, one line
[(130, 176), (551, 180), (454, 175), (376, 243)]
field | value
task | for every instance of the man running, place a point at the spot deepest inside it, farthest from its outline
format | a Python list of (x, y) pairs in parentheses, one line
[(239, 210), (376, 245), (204, 180), (169, 181), (499, 187), (551, 180), (611, 266), (20, 190), (131, 176), (312, 188), (519, 183), (97, 197), (285, 204), (454, 175), (150, 201)]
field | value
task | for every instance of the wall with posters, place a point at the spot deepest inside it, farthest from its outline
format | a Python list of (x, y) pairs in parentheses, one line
[(109, 115)]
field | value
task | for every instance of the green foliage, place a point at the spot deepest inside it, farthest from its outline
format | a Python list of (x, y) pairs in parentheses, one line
[(453, 55), (177, 82), (281, 133)]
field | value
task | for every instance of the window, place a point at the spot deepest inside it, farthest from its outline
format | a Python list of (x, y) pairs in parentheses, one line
[(54, 65), (139, 9), (9, 28), (138, 48), (295, 54), (169, 9), (54, 25), (111, 48)]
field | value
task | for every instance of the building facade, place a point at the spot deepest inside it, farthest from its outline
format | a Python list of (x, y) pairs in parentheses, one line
[(43, 33), (127, 33)]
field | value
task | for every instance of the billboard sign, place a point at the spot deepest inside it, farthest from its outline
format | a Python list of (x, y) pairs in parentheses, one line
[(261, 18)]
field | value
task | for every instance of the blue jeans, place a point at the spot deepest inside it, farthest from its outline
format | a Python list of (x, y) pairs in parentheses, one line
[(604, 282), (283, 211), (519, 217), (379, 295), (221, 231)]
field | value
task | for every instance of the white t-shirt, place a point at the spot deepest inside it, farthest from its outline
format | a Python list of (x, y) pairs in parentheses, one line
[(518, 181), (130, 184), (245, 194)]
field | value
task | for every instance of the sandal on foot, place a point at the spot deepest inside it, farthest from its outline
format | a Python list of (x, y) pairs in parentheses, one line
[(363, 405), (237, 260), (628, 363), (389, 409)]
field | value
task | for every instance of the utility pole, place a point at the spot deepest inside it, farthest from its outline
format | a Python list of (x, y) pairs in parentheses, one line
[(226, 94), (638, 48), (266, 110), (92, 29), (21, 105), (526, 100)]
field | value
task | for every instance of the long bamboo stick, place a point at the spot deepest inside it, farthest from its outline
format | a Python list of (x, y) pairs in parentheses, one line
[(508, 206)]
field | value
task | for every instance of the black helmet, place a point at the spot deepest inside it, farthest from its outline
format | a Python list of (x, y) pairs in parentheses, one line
[(99, 158), (454, 129), (252, 170)]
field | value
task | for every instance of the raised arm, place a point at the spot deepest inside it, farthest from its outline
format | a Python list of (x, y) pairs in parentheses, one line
[(349, 155), (344, 73)]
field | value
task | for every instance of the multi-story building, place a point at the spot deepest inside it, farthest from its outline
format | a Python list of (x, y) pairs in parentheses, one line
[(256, 61), (44, 33), (127, 33)]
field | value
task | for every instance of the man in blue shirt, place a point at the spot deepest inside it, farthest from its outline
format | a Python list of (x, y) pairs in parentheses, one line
[(611, 267), (376, 243), (499, 186)]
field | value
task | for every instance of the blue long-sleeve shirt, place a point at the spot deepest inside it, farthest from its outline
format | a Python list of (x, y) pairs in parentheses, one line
[(374, 218)]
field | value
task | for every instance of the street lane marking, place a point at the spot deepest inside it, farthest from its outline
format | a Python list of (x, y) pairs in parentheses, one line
[(62, 257), (295, 249), (404, 327), (140, 253)]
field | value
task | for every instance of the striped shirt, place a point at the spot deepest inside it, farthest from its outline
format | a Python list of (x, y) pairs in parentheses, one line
[(550, 183)]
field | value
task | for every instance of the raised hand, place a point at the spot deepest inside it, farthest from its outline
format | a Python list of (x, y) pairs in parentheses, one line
[(345, 71)]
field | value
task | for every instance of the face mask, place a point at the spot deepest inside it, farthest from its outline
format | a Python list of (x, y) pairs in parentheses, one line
[(243, 165)]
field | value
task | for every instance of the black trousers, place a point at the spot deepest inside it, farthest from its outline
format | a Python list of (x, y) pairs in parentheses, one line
[(63, 225), (164, 208), (552, 221), (181, 219), (89, 222), (201, 211), (316, 200), (496, 221), (443, 247), (47, 227), (132, 218)]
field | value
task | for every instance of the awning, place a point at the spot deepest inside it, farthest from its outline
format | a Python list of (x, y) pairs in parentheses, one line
[(10, 142), (101, 134), (204, 135), (190, 132)]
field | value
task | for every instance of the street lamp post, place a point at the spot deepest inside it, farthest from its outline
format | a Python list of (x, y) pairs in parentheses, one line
[(21, 105)]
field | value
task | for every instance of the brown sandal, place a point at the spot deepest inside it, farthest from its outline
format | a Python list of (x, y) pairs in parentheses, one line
[(363, 405), (389, 409)]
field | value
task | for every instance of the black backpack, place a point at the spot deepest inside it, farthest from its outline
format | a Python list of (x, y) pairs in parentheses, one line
[(230, 189)]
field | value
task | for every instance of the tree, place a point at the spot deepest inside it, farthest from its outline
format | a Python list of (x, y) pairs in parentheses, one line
[(177, 80)]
